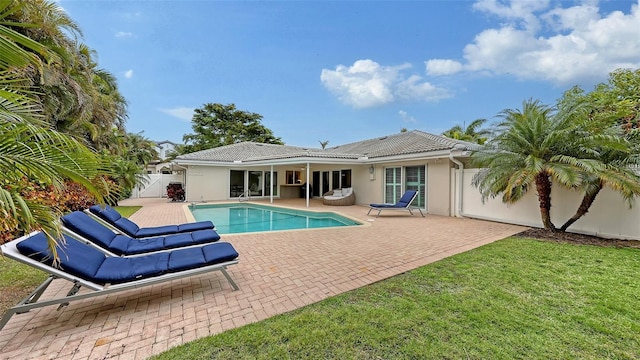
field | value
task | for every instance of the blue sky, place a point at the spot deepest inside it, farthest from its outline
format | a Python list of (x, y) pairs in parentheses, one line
[(344, 71)]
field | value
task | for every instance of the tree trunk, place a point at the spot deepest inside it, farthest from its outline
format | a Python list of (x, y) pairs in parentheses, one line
[(543, 187), (586, 203)]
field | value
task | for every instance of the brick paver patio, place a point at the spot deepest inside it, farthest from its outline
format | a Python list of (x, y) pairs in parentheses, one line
[(278, 272)]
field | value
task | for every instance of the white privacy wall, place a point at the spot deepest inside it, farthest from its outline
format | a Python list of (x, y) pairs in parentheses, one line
[(609, 216), (156, 185)]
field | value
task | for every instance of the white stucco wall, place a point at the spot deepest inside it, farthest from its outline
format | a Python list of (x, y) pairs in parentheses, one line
[(206, 183), (439, 188), (609, 215)]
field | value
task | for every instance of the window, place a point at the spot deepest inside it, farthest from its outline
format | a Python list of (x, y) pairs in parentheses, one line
[(236, 183), (335, 180), (345, 178), (267, 183), (392, 185), (397, 180), (255, 183), (415, 179), (292, 177)]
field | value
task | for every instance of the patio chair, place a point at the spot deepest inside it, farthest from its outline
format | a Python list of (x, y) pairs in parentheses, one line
[(128, 227), (403, 204), (339, 197), (86, 266), (83, 227)]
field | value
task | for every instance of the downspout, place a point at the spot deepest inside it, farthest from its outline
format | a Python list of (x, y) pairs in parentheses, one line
[(460, 165)]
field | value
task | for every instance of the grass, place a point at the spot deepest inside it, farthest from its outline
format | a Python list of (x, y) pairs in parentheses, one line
[(513, 299), (127, 211), (17, 280)]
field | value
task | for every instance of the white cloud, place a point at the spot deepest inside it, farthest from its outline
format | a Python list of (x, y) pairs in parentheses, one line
[(182, 113), (367, 83), (124, 34), (584, 43), (442, 67), (520, 12), (406, 117), (128, 74)]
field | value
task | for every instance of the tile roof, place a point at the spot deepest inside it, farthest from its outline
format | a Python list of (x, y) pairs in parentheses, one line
[(406, 143), (246, 150), (410, 142)]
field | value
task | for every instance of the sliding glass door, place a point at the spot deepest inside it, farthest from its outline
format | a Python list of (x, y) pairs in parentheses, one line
[(397, 180), (415, 180)]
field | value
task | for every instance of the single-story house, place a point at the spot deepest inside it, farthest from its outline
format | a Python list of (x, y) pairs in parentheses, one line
[(378, 170)]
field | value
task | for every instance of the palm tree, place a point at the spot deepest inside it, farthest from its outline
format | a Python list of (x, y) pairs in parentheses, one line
[(537, 146), (78, 98), (140, 150), (471, 133), (602, 116), (28, 147), (127, 174)]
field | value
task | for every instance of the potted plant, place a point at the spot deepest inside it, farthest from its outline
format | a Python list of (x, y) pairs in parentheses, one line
[(175, 192)]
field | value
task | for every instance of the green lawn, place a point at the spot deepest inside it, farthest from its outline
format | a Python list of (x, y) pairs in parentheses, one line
[(17, 280), (513, 299), (127, 211)]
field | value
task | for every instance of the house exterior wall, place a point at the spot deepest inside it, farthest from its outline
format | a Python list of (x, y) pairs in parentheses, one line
[(608, 217), (439, 187), (206, 183), (370, 189), (211, 183)]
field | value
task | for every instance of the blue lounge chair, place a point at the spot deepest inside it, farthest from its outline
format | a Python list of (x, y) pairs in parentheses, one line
[(84, 265), (83, 227), (128, 227), (403, 204)]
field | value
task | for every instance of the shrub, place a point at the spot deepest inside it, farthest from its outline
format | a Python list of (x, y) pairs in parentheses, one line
[(72, 197)]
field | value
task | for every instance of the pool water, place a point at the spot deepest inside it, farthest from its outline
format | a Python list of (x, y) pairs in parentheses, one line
[(240, 218)]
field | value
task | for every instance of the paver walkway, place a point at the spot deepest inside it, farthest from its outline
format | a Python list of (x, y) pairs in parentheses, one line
[(277, 272)]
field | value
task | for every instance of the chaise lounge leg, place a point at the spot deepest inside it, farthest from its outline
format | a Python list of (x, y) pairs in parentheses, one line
[(35, 294), (229, 279), (74, 290), (31, 298)]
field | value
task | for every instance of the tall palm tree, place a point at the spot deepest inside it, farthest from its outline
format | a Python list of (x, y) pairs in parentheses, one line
[(471, 133), (536, 147), (78, 98), (602, 115), (140, 150), (28, 146)]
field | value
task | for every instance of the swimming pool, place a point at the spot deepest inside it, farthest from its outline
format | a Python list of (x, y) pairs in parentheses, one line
[(244, 217)]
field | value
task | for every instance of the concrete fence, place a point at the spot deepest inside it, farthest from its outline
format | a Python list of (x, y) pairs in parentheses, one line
[(608, 217)]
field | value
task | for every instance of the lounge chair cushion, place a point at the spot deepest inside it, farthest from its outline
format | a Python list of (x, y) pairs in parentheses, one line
[(130, 228), (184, 259), (82, 224), (90, 264), (388, 206), (337, 193), (91, 230), (404, 201)]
